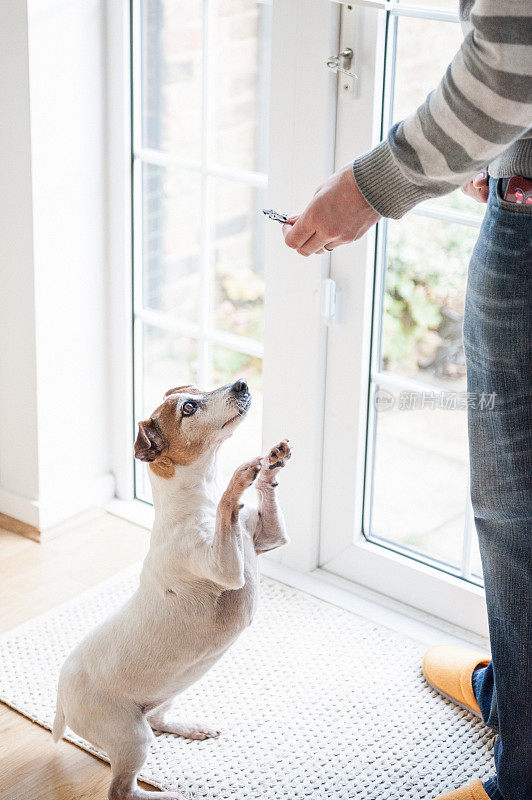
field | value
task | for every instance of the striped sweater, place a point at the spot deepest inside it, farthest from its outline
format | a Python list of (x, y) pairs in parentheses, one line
[(479, 115)]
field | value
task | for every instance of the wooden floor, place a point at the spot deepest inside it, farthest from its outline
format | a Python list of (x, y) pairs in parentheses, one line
[(33, 578)]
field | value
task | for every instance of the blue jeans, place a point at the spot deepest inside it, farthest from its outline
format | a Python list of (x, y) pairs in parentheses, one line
[(498, 347)]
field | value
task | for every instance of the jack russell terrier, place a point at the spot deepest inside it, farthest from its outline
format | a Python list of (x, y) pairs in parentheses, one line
[(198, 587)]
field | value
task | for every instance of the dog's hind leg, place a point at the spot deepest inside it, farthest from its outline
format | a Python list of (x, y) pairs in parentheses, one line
[(127, 748), (162, 719)]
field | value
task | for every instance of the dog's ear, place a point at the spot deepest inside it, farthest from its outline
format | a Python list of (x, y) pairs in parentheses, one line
[(174, 390), (150, 441), (189, 389)]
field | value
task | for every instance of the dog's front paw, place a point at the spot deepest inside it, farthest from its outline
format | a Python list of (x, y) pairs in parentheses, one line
[(279, 455), (245, 475)]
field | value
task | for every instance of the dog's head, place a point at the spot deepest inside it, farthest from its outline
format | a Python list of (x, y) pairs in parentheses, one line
[(188, 424)]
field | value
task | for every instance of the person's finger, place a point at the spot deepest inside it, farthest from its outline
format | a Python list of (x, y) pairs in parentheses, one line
[(470, 190), (328, 247), (287, 226), (480, 180), (311, 246), (479, 193), (300, 232)]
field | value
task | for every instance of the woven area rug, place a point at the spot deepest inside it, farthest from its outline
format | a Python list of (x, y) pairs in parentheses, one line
[(313, 702)]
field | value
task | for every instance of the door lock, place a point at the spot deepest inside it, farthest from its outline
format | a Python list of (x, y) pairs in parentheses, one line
[(341, 62)]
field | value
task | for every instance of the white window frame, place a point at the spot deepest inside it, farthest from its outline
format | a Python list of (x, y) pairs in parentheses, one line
[(297, 387), (203, 332), (119, 252)]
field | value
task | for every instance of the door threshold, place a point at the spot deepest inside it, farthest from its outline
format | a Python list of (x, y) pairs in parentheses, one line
[(377, 608)]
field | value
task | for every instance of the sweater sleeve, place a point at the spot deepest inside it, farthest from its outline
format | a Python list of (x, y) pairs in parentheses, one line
[(482, 105)]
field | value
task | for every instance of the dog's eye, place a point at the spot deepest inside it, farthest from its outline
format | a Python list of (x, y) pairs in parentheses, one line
[(189, 407)]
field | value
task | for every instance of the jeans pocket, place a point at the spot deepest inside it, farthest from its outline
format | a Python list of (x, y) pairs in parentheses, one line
[(516, 208)]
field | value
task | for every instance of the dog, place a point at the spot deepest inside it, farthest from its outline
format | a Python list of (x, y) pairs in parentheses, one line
[(198, 586)]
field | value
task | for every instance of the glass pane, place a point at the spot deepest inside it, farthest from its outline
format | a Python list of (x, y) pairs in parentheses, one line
[(420, 474), (246, 442), (167, 360), (238, 242), (425, 48), (176, 249), (241, 90), (416, 75), (171, 203), (425, 282), (418, 459), (172, 51), (172, 91)]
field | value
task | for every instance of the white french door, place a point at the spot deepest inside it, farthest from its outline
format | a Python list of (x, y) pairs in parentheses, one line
[(395, 508), (216, 295)]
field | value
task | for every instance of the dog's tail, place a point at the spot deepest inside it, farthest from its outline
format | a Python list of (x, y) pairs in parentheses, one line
[(59, 725)]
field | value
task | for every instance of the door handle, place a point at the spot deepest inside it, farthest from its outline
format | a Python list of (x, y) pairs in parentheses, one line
[(330, 302)]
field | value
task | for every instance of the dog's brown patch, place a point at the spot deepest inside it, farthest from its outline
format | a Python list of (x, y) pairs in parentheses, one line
[(161, 441)]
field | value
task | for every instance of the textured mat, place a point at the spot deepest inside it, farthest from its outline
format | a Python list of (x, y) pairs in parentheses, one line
[(313, 702)]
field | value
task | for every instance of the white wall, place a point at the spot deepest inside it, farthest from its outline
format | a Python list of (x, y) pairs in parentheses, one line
[(18, 390), (54, 321)]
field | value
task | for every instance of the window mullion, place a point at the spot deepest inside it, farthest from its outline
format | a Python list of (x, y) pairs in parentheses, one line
[(424, 13), (402, 383), (424, 210), (160, 158), (397, 9), (181, 327)]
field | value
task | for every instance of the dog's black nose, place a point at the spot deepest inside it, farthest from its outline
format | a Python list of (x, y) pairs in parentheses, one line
[(240, 387)]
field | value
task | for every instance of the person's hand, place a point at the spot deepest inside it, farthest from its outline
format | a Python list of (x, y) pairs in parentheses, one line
[(478, 187), (337, 214)]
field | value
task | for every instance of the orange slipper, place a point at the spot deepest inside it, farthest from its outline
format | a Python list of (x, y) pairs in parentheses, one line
[(449, 669), (473, 792)]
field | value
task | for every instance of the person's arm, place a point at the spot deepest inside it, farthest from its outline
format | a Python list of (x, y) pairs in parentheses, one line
[(482, 105)]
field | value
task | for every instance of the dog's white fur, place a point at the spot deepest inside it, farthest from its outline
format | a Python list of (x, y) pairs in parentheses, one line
[(197, 592)]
